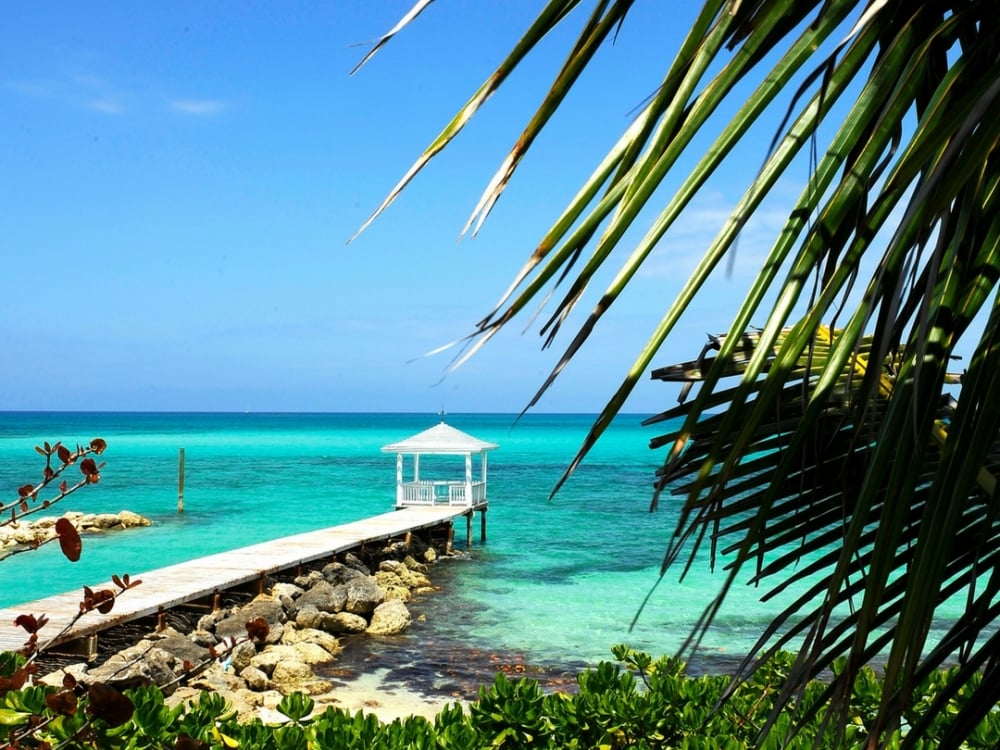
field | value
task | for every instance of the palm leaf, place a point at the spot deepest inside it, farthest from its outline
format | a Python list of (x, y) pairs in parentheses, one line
[(830, 449)]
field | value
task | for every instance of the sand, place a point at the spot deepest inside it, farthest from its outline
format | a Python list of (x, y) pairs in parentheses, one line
[(371, 694)]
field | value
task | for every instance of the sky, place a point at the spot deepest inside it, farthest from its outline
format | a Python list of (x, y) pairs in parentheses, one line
[(180, 182)]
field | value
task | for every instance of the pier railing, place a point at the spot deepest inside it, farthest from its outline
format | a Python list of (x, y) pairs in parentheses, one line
[(440, 493)]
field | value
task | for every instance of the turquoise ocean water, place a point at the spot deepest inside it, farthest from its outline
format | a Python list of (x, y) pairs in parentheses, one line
[(558, 582)]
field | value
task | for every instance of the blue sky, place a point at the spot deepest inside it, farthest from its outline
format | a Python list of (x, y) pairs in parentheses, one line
[(180, 181)]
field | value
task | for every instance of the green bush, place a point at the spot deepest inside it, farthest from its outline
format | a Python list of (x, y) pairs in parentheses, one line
[(633, 702)]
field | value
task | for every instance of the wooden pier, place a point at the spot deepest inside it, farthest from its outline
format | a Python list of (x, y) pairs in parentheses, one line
[(205, 577)]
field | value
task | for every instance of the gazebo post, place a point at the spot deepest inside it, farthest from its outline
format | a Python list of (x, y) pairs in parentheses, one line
[(468, 479), (399, 479)]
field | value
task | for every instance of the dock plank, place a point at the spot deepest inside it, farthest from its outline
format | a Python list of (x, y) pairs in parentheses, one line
[(177, 584)]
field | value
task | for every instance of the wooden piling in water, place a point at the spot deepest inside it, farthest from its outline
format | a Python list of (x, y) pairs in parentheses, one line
[(180, 482)]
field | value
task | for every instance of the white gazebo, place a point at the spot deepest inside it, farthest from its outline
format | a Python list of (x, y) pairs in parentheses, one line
[(441, 440)]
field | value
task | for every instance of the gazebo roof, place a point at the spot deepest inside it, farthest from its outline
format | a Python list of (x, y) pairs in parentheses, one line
[(441, 438)]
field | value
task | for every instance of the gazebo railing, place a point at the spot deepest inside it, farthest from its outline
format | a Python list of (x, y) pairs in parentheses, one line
[(426, 492)]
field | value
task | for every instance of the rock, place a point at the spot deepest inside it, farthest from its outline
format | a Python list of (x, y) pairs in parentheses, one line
[(247, 703), (242, 655), (430, 555), (345, 622), (363, 595), (287, 593), (130, 520), (271, 656), (386, 580), (179, 645), (304, 620), (418, 581), (325, 597), (393, 586), (392, 566), (327, 641), (311, 618), (138, 664), (353, 561), (207, 622), (255, 678), (78, 671), (312, 653), (290, 675), (309, 580), (339, 573), (264, 607), (341, 622), (104, 521), (390, 618), (396, 549), (396, 592), (27, 535), (407, 576), (203, 638), (415, 566), (43, 529)]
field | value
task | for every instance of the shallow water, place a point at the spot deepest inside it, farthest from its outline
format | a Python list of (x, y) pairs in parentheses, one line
[(557, 584)]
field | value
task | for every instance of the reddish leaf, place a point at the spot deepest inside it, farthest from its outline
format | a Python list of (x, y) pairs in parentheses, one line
[(69, 539), (63, 487), (257, 629), (16, 681), (64, 454), (48, 473), (23, 506), (69, 681), (103, 601), (25, 491), (41, 451), (125, 582), (30, 623), (108, 704), (98, 445), (63, 702)]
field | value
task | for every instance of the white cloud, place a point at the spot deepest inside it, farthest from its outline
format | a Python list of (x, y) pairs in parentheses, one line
[(87, 91), (198, 107), (108, 104)]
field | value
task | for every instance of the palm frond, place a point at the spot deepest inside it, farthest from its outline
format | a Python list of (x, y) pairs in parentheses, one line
[(833, 435)]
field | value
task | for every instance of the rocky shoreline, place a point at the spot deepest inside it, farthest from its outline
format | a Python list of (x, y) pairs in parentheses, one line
[(360, 594), (27, 534)]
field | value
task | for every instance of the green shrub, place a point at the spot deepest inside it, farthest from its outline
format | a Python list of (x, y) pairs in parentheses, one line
[(634, 702)]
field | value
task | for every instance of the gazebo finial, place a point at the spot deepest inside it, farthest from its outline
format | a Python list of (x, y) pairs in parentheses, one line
[(442, 413)]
